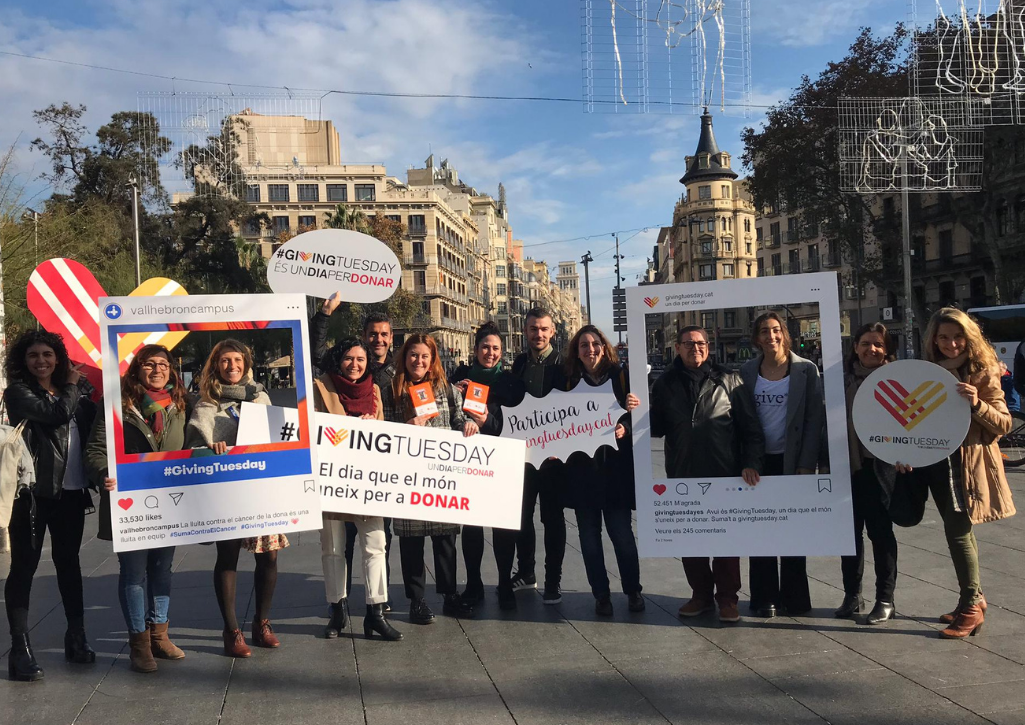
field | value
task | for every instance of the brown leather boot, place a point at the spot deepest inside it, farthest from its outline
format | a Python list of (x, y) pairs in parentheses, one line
[(235, 644), (949, 617), (263, 634), (163, 648), (140, 653), (967, 623)]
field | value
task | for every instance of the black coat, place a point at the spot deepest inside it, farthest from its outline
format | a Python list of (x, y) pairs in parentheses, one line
[(539, 380), (48, 429), (720, 436), (605, 481), (507, 390)]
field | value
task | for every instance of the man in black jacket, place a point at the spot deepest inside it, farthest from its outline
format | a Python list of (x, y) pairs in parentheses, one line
[(708, 419), (540, 370)]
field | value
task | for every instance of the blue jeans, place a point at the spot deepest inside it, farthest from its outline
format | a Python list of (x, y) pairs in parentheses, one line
[(618, 523), (144, 586)]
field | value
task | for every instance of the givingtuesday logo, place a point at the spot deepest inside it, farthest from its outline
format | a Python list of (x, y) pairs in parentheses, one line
[(651, 301), (910, 409)]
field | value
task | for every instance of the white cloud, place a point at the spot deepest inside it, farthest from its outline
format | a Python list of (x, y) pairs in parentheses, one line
[(802, 24)]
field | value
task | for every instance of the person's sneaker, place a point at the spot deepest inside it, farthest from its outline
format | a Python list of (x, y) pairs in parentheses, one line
[(603, 606), (552, 594), (506, 600), (523, 581), (636, 602), (729, 613), (694, 608)]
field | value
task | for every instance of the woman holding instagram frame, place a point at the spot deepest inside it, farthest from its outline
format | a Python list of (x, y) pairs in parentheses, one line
[(347, 388), (421, 395), (791, 409), (225, 383), (487, 377), (155, 409)]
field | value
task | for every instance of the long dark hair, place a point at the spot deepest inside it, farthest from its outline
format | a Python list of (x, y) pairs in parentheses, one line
[(574, 369), (765, 317), (877, 327), (132, 390), (15, 366), (333, 357)]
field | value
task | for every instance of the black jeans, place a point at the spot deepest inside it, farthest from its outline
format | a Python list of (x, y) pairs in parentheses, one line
[(620, 529), (554, 520), (871, 515), (785, 585), (350, 542), (504, 542), (65, 518), (414, 570)]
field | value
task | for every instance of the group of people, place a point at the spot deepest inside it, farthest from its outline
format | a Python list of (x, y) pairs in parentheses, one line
[(766, 420)]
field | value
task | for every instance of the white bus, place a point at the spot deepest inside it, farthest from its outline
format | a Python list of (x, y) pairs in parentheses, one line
[(1004, 327)]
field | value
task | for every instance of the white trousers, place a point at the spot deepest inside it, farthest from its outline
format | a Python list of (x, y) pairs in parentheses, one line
[(370, 538)]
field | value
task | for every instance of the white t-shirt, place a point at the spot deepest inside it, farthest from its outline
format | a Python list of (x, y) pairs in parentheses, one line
[(771, 402)]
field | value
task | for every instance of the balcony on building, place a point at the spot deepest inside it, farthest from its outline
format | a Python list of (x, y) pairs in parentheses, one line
[(772, 240)]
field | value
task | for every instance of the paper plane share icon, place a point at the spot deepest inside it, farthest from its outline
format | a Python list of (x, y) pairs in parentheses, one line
[(705, 486), (176, 497)]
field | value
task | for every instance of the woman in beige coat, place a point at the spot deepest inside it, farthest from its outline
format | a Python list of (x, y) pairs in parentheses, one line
[(347, 388), (969, 487)]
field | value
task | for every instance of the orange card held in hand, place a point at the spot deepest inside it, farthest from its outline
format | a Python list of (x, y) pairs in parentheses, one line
[(422, 396), (476, 400)]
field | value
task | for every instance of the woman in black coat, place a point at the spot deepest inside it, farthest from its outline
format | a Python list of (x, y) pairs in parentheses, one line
[(503, 389), (43, 392), (602, 486)]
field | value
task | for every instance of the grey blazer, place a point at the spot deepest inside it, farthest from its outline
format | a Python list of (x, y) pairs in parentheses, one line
[(806, 411)]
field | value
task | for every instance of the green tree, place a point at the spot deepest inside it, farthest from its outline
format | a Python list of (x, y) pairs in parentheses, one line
[(344, 217)]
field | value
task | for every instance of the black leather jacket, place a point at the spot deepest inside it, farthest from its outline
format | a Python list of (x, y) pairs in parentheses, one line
[(48, 429), (720, 437)]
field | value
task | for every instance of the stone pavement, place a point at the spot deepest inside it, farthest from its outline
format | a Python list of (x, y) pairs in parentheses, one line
[(547, 664)]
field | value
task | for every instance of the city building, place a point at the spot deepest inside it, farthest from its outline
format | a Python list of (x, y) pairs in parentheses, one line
[(568, 280), (713, 237)]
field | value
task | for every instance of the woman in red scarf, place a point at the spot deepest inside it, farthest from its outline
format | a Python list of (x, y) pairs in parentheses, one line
[(347, 388)]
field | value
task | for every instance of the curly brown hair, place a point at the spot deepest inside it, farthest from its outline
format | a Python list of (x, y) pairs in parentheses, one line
[(132, 389)]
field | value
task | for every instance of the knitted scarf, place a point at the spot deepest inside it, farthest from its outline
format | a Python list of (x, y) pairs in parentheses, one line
[(955, 365), (482, 375), (240, 393), (153, 406), (356, 397)]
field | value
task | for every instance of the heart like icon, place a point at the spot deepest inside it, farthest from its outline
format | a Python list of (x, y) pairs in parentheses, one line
[(125, 503), (295, 521), (659, 488)]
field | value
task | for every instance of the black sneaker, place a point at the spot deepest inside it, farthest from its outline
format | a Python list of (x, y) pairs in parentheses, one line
[(420, 613), (603, 606), (506, 600), (552, 595), (636, 602), (456, 606), (523, 581)]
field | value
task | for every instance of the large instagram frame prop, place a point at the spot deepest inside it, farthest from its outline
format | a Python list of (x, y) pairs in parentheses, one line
[(191, 496), (806, 515)]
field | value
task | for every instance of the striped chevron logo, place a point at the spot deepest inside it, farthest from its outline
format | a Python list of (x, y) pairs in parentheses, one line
[(305, 256), (910, 409), (336, 436)]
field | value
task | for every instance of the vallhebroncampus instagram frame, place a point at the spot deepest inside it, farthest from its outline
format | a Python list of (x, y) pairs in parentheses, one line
[(195, 495), (796, 515)]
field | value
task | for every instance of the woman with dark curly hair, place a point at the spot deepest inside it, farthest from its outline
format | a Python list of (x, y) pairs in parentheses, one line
[(43, 392)]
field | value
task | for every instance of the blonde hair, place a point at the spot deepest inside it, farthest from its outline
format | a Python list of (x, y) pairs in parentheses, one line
[(981, 355), (210, 381)]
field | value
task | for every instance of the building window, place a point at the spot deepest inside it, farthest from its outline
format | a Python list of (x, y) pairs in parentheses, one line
[(706, 271), (337, 192), (366, 192), (747, 226), (761, 267), (708, 320), (795, 261), (500, 271), (729, 319), (704, 192), (706, 246), (725, 191), (758, 233), (749, 268), (711, 224), (253, 227), (704, 161), (417, 224), (725, 160), (701, 225), (776, 264), (253, 193), (308, 221), (747, 247), (308, 192), (503, 308), (280, 223), (500, 288), (727, 271), (946, 244), (503, 325), (420, 280), (727, 245), (277, 192)]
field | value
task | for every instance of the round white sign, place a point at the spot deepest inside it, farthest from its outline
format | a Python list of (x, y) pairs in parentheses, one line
[(325, 261), (909, 412)]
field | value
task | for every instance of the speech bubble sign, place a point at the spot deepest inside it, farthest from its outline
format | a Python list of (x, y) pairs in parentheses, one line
[(909, 412), (324, 261), (562, 423)]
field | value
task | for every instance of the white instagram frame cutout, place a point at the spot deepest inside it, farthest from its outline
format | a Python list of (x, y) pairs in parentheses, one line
[(800, 515)]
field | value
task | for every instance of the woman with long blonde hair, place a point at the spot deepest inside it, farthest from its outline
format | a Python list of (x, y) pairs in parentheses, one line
[(969, 487)]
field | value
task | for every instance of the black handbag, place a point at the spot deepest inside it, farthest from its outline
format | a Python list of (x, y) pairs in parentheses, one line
[(904, 494)]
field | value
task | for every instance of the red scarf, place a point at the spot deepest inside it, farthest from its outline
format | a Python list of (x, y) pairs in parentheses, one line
[(356, 397), (153, 406)]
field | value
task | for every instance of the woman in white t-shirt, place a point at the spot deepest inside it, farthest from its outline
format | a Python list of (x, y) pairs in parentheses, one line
[(788, 397)]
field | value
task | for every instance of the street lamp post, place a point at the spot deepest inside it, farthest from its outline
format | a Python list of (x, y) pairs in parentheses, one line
[(133, 182)]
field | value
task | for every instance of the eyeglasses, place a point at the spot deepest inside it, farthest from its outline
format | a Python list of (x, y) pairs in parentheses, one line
[(151, 366), (691, 344)]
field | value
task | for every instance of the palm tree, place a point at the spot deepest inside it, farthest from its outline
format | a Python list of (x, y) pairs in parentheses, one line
[(345, 218)]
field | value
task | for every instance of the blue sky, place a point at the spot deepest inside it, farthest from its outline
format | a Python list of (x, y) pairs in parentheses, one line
[(568, 173)]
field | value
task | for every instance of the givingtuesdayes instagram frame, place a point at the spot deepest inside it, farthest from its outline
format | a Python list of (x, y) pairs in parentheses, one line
[(786, 515), (194, 495)]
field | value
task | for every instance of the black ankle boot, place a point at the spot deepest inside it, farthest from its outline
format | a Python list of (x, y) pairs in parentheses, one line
[(77, 649), (339, 619), (375, 622), (852, 604), (880, 613), (21, 663)]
